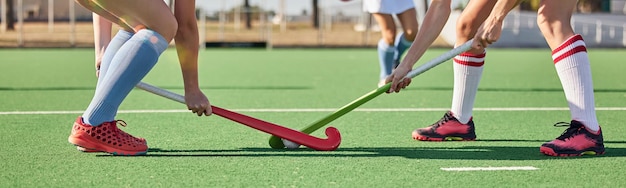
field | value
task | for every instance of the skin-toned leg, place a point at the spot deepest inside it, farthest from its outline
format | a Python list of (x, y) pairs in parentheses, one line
[(467, 68), (387, 26), (408, 19), (140, 14), (470, 20), (572, 65), (554, 21)]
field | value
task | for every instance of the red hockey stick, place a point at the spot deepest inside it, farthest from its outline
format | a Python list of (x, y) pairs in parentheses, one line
[(329, 144)]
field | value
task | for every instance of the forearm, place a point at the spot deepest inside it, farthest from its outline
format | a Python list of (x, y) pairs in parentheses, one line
[(187, 42), (434, 21), (502, 8), (187, 48), (101, 34)]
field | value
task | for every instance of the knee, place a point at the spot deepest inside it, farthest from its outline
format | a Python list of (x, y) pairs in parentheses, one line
[(166, 27), (465, 28), (170, 28), (410, 34), (545, 25), (389, 35)]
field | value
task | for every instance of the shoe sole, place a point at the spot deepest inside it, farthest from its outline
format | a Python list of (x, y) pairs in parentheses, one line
[(126, 153), (82, 149), (551, 152), (91, 147), (447, 138)]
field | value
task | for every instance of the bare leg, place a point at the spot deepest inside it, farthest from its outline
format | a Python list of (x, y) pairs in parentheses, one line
[(554, 21), (472, 17), (468, 67), (571, 61), (569, 53), (387, 26), (408, 19), (386, 48)]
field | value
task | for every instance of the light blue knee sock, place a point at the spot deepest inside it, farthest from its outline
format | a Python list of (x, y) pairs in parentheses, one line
[(129, 65), (401, 45), (116, 43), (385, 58)]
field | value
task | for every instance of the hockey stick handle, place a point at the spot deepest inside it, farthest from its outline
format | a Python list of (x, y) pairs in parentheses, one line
[(161, 92)]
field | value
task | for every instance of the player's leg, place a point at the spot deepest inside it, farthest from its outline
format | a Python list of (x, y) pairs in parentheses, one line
[(154, 27), (386, 48), (408, 20), (571, 61), (457, 124), (135, 57), (468, 67), (102, 27)]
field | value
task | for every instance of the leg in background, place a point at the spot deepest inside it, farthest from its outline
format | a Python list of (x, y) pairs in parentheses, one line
[(386, 48)]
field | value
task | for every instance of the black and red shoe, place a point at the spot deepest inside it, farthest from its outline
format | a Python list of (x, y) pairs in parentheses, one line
[(576, 140), (448, 128)]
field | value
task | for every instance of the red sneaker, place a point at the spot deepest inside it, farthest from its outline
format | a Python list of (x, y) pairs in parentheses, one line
[(448, 128), (106, 138), (576, 140)]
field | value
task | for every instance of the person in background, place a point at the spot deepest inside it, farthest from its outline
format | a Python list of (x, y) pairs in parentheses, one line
[(392, 44)]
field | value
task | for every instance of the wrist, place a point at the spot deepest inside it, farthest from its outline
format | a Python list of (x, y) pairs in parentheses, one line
[(405, 65)]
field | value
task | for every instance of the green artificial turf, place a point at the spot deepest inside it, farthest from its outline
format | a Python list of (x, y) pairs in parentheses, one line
[(42, 91)]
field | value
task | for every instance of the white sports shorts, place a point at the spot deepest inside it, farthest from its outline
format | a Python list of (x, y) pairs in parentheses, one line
[(387, 6)]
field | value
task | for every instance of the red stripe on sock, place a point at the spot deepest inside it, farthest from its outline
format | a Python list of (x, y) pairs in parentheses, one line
[(467, 54), (469, 63), (568, 42), (570, 53)]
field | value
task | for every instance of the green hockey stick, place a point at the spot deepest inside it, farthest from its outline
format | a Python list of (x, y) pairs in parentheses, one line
[(277, 143)]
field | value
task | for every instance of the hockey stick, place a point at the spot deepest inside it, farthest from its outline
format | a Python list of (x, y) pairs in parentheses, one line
[(276, 142), (329, 144)]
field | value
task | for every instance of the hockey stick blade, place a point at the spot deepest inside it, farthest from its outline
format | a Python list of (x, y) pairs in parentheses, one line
[(276, 142), (329, 144)]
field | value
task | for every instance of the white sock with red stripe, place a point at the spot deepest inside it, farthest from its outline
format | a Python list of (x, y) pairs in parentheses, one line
[(468, 69), (574, 70)]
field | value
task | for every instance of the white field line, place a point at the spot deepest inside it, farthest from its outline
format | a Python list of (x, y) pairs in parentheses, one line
[(281, 110), (490, 168)]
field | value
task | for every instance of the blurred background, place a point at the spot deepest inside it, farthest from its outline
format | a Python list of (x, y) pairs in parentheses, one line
[(295, 23)]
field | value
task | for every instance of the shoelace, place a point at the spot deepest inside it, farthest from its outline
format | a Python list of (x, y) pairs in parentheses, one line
[(121, 122), (120, 132), (569, 132), (443, 120), (114, 125)]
